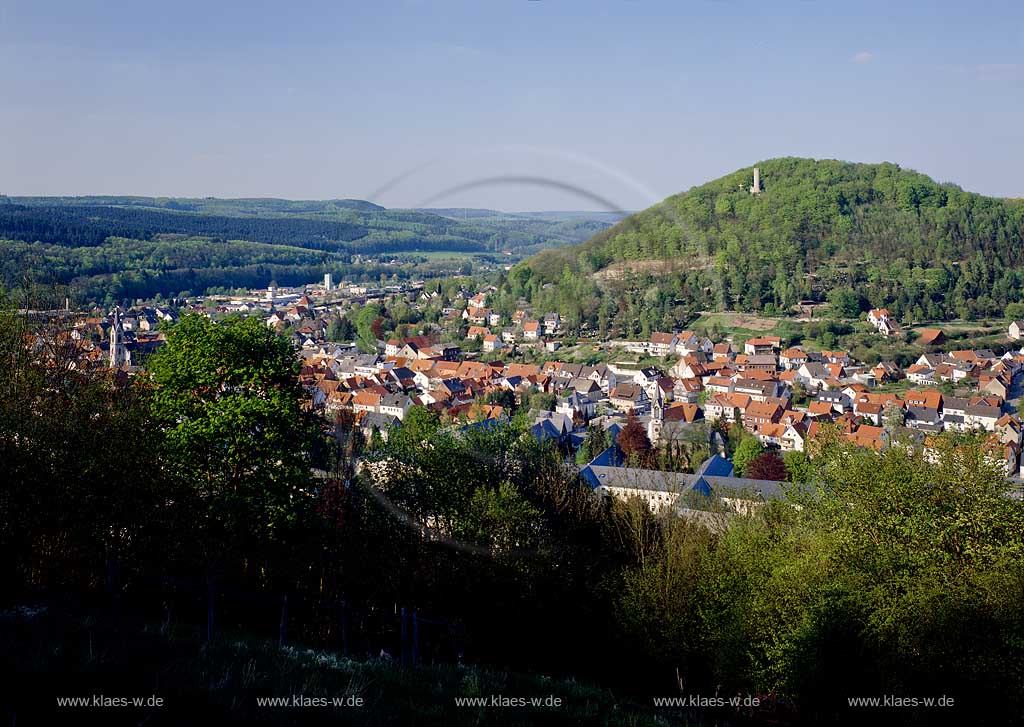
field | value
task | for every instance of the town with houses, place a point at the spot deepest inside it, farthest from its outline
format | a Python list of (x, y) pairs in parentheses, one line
[(782, 395)]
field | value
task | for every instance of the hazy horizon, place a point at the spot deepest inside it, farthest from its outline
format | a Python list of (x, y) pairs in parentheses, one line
[(519, 106)]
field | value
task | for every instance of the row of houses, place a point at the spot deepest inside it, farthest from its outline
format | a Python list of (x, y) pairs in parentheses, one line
[(754, 385), (880, 319), (753, 390)]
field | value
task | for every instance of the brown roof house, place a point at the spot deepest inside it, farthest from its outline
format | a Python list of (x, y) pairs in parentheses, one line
[(931, 337)]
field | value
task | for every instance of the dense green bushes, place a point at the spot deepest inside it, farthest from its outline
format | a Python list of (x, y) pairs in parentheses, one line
[(898, 577)]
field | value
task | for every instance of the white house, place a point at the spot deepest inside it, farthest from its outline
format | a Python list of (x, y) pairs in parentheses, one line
[(662, 344), (877, 315), (577, 403), (982, 416), (395, 404), (492, 343)]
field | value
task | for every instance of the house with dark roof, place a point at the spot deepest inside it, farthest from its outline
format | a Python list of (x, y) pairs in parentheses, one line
[(924, 418), (395, 405), (813, 374), (758, 390), (577, 404), (982, 416), (712, 483), (629, 397), (375, 422)]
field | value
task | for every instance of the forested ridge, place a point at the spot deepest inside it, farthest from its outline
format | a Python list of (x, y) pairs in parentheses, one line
[(858, 235), (119, 247), (80, 226)]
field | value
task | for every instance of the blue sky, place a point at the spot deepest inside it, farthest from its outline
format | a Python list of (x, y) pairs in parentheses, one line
[(628, 101)]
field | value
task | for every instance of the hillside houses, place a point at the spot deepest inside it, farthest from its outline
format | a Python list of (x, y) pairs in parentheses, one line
[(684, 343), (629, 397), (478, 365), (750, 384), (762, 346), (879, 318), (663, 344), (479, 362)]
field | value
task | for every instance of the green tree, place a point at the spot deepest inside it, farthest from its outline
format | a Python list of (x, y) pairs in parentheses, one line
[(504, 398), (539, 400), (799, 467), (799, 392), (84, 489), (367, 322), (340, 329), (227, 399), (748, 448), (596, 441), (502, 517)]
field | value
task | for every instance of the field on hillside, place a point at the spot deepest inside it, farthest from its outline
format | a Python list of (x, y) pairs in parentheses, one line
[(619, 270), (738, 322)]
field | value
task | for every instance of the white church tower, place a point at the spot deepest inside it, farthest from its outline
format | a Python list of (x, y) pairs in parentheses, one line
[(657, 417), (118, 352)]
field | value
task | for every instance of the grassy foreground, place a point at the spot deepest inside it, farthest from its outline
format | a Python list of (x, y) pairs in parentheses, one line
[(45, 656)]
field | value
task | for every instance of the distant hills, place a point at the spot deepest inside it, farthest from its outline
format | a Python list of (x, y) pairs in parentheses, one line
[(254, 206), (854, 234), (551, 215), (345, 224), (139, 246)]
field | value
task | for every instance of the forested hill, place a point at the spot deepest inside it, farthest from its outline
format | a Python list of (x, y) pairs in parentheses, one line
[(135, 247), (354, 226), (254, 206), (858, 234)]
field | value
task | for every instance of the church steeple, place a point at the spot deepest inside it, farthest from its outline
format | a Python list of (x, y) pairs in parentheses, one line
[(118, 352), (657, 416)]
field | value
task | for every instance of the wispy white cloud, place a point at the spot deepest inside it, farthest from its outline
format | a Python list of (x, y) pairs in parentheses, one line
[(865, 56)]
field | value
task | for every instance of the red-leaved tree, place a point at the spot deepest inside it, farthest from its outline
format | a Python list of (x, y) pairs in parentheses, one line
[(766, 466), (633, 441)]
